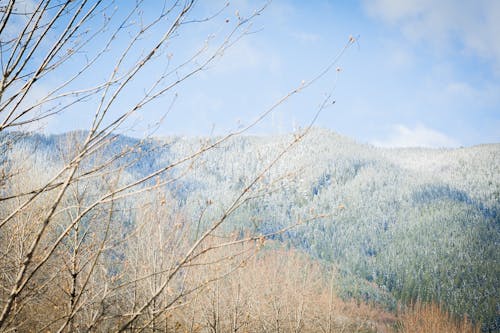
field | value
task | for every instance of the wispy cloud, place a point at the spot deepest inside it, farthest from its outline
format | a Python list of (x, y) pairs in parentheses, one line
[(419, 136), (472, 26), (246, 56), (306, 37)]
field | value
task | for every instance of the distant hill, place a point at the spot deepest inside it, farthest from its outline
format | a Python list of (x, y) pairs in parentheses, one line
[(401, 224)]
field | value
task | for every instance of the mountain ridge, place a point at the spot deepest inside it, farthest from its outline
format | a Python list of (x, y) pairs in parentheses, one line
[(406, 224)]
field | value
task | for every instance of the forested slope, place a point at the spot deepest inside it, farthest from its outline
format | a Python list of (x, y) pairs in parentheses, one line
[(401, 224)]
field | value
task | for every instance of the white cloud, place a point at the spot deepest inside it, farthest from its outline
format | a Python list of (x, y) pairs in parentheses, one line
[(419, 136), (399, 57), (306, 37), (475, 25), (476, 98), (245, 56)]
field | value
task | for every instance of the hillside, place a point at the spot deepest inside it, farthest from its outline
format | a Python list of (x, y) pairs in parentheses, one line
[(400, 224)]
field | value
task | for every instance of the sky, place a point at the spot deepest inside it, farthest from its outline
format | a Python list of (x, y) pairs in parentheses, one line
[(420, 72)]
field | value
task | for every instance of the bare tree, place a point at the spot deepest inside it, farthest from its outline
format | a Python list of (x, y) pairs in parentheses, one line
[(64, 237)]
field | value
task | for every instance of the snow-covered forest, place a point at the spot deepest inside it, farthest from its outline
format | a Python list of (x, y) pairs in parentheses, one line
[(396, 225)]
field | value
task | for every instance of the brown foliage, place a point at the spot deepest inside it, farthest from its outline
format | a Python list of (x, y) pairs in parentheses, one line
[(430, 318)]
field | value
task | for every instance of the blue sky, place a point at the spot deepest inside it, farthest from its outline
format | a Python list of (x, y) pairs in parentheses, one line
[(421, 73)]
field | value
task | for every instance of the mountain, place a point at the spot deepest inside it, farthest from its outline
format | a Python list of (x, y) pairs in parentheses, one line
[(401, 224)]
